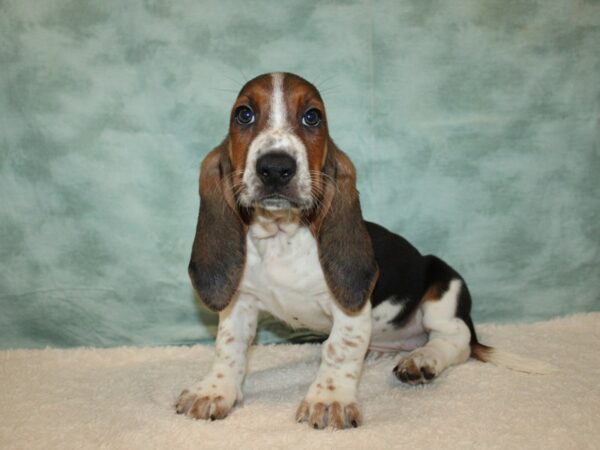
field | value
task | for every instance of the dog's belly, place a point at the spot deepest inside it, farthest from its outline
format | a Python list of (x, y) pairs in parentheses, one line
[(284, 274), (387, 338)]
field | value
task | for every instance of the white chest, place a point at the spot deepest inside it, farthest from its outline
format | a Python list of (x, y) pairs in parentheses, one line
[(284, 274)]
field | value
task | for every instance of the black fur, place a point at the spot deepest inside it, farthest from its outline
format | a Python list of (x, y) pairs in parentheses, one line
[(405, 276)]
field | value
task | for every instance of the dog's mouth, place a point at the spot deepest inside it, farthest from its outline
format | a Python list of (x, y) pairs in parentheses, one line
[(277, 202)]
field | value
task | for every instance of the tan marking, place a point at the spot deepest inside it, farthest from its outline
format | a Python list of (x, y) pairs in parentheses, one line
[(220, 375), (318, 415), (255, 94), (434, 292), (198, 406), (481, 352), (229, 340), (300, 96), (336, 418), (350, 375)]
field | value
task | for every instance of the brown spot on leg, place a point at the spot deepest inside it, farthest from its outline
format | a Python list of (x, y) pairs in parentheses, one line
[(331, 350), (220, 375), (230, 340), (331, 387), (350, 343)]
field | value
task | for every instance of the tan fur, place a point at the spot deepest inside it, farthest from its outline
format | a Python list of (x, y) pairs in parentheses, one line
[(432, 293)]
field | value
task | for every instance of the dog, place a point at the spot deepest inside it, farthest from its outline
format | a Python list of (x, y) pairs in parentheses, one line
[(280, 229)]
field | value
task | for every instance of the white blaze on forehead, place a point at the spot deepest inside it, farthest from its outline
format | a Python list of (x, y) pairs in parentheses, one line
[(277, 116)]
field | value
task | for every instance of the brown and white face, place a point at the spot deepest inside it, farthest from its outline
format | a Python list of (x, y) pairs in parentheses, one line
[(278, 143), (278, 157)]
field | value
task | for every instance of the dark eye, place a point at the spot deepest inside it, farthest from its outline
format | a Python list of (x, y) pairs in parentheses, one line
[(311, 118), (244, 115)]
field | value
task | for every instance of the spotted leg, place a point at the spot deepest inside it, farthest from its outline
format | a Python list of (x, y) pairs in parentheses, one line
[(214, 396), (448, 343), (331, 398)]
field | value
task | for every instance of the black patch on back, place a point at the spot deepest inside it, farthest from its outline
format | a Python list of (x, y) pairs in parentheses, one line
[(405, 275)]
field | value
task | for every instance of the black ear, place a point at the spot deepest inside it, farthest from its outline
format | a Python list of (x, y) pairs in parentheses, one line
[(345, 247), (219, 250)]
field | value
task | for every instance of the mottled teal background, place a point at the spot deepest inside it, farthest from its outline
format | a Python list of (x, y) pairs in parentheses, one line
[(474, 125)]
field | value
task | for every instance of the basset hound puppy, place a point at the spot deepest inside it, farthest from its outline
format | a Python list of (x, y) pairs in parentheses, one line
[(280, 229)]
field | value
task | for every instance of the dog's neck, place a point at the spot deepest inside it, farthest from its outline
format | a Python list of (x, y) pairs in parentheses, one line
[(268, 223)]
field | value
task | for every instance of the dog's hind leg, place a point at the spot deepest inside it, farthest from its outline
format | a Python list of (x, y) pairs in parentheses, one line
[(445, 307)]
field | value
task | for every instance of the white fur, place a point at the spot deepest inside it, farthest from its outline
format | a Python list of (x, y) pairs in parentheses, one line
[(342, 357), (278, 113), (223, 383), (449, 336), (284, 274), (389, 339)]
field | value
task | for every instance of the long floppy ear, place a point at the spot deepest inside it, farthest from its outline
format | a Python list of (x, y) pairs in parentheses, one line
[(219, 250), (345, 247)]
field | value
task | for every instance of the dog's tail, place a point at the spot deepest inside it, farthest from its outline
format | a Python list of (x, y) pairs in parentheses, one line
[(510, 361)]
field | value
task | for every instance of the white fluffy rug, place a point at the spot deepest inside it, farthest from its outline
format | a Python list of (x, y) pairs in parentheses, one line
[(122, 398)]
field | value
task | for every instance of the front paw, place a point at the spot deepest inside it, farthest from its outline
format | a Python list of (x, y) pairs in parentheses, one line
[(335, 414), (207, 401)]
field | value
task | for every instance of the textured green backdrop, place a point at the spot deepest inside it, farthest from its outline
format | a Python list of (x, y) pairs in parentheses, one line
[(474, 125)]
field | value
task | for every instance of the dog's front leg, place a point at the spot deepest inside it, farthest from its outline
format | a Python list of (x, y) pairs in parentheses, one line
[(214, 396), (331, 398)]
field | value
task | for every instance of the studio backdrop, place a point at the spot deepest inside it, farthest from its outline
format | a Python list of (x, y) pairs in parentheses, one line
[(474, 126)]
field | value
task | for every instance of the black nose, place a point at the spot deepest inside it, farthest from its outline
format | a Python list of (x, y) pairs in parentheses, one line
[(276, 169)]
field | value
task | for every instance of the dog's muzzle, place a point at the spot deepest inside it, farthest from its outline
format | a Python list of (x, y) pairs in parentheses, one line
[(275, 170)]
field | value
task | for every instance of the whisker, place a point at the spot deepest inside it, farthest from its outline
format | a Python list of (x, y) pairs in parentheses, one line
[(224, 90), (233, 80), (321, 83)]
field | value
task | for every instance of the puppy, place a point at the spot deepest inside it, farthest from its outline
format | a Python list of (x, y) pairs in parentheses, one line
[(280, 229)]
